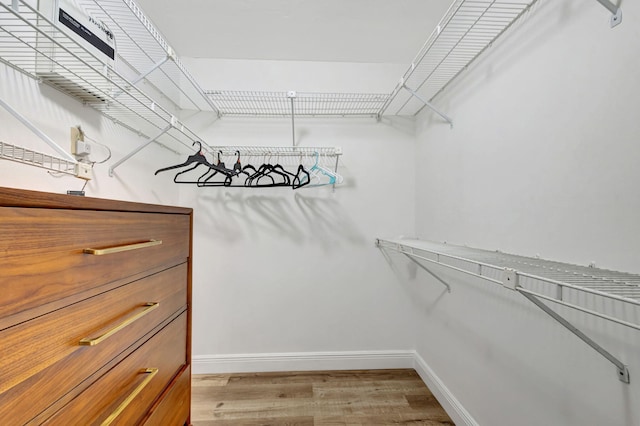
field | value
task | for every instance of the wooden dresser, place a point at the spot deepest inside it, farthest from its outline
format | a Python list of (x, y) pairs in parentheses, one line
[(95, 317)]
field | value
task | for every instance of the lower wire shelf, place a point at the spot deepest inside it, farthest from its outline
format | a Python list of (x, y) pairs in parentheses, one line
[(582, 288)]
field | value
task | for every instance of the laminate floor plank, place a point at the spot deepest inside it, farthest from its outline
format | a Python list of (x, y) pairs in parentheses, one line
[(322, 398)]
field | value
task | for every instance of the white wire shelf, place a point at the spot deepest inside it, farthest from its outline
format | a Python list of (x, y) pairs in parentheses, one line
[(35, 158), (31, 44), (142, 49), (300, 104), (467, 29), (610, 295)]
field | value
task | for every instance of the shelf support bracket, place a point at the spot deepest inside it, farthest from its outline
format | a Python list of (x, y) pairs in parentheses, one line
[(142, 76), (409, 256), (622, 370), (38, 132), (138, 149), (150, 70), (292, 95), (616, 17), (429, 104)]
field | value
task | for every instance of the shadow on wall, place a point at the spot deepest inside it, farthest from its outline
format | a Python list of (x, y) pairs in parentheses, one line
[(235, 216)]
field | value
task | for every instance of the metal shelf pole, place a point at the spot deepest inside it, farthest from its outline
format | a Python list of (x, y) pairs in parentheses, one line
[(138, 149), (429, 104), (410, 257), (623, 371)]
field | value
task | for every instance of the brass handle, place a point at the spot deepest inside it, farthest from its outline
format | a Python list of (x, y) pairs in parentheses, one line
[(123, 405), (87, 341), (118, 249)]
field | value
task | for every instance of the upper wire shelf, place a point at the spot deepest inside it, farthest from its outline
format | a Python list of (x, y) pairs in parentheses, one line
[(560, 280), (466, 30), (33, 45), (299, 104), (142, 49), (611, 295)]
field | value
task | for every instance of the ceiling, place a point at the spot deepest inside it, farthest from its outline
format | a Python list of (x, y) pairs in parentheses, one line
[(365, 31)]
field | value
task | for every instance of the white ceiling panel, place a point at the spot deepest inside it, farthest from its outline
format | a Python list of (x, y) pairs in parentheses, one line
[(369, 31)]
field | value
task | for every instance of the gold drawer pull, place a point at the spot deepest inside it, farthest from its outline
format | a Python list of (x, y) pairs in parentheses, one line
[(123, 405), (118, 249), (87, 341)]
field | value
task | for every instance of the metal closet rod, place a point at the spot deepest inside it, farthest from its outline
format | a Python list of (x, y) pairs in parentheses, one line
[(511, 281), (277, 150)]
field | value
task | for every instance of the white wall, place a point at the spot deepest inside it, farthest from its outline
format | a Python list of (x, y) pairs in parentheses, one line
[(280, 272), (542, 159), (55, 113)]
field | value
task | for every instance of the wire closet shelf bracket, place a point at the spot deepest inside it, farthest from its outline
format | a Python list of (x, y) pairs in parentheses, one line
[(582, 288)]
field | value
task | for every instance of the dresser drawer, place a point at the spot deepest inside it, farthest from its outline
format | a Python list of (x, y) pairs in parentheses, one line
[(53, 354), (125, 393), (44, 254), (173, 409)]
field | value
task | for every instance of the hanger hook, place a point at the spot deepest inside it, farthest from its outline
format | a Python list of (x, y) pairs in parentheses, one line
[(219, 153), (199, 145)]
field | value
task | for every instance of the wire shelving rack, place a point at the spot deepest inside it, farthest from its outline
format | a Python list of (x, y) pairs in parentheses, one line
[(467, 29), (141, 47), (34, 158), (33, 45), (299, 104), (610, 295)]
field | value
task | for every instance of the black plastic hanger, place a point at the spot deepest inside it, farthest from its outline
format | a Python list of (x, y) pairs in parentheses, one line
[(198, 158), (298, 178)]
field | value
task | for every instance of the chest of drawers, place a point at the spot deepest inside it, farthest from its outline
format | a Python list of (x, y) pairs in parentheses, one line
[(95, 318)]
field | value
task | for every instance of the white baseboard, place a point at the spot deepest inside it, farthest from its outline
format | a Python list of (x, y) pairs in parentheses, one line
[(303, 361), (449, 402)]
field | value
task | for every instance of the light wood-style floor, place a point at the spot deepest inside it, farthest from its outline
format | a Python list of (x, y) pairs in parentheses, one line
[(317, 398)]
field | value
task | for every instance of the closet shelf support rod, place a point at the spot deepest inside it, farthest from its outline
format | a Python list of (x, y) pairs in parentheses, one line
[(292, 95), (145, 74), (429, 104), (138, 149), (623, 371), (38, 132), (616, 16)]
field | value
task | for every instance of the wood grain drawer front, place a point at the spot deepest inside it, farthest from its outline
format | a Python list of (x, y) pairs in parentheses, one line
[(43, 359), (112, 393), (173, 409), (42, 252)]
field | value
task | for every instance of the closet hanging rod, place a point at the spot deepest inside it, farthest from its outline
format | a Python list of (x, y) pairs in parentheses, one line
[(566, 281), (282, 151)]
